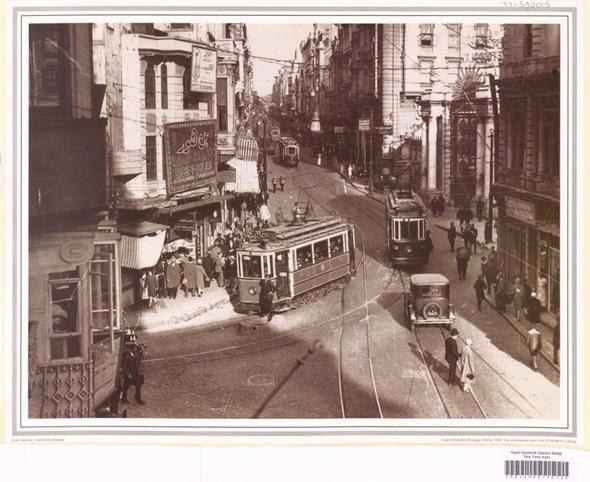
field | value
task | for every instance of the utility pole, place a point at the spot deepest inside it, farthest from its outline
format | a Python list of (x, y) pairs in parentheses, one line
[(495, 144), (371, 156)]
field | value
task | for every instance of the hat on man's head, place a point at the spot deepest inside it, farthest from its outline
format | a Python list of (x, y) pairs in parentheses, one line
[(454, 332)]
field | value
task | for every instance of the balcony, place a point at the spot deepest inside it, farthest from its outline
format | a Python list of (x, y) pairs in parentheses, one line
[(67, 166)]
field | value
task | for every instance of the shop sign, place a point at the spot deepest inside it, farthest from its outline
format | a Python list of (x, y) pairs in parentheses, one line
[(364, 125), (203, 70), (190, 154), (520, 210), (384, 130), (339, 130), (227, 175)]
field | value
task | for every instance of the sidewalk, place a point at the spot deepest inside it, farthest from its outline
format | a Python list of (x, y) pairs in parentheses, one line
[(213, 308)]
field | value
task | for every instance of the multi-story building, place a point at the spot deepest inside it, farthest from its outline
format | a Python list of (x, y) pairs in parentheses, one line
[(74, 269), (174, 98), (527, 187)]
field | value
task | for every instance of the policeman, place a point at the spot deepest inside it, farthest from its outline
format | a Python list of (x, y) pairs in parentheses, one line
[(131, 366)]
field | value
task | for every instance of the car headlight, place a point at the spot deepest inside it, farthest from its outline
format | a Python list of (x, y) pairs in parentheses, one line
[(252, 290), (395, 247), (409, 250)]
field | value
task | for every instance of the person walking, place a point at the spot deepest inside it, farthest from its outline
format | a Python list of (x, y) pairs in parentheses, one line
[(533, 310), (143, 290), (131, 367), (209, 266), (441, 204), (518, 299), (490, 275), (282, 183), (190, 275), (479, 287), (201, 277), (219, 276), (479, 207), (275, 183), (462, 257), (266, 297), (501, 292), (542, 292), (467, 236), (487, 233), (461, 216), (434, 206), (468, 215), (152, 284), (452, 355), (173, 276), (474, 234), (161, 276), (534, 342), (452, 235), (527, 291), (467, 366), (428, 246)]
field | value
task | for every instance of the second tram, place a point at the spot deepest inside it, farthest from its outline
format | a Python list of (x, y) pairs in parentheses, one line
[(407, 223), (298, 258)]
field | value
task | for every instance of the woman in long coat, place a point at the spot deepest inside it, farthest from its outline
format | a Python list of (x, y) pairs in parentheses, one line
[(467, 366), (201, 276), (190, 274)]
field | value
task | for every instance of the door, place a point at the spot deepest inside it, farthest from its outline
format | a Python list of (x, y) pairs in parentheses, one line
[(282, 272)]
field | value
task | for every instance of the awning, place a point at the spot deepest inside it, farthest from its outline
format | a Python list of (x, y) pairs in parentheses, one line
[(246, 176), (247, 149), (141, 244)]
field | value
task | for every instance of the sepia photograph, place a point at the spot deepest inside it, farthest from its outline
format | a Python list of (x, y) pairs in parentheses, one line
[(290, 220)]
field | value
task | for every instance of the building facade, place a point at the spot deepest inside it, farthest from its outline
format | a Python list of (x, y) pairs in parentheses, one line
[(527, 180)]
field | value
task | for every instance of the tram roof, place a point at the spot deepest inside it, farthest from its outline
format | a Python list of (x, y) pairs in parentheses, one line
[(406, 202), (287, 235)]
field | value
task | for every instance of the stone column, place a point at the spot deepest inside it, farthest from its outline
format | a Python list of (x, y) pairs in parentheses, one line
[(432, 153), (540, 144), (424, 153), (479, 158), (489, 127)]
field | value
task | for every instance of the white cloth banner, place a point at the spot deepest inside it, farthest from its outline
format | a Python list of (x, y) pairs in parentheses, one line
[(246, 176)]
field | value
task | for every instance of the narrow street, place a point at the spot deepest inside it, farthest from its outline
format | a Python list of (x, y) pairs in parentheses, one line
[(370, 364)]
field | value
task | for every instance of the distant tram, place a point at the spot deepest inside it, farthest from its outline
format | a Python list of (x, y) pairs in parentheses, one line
[(405, 215), (298, 258)]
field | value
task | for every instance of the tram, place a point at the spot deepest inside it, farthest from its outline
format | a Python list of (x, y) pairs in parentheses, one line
[(298, 258), (407, 223), (289, 151)]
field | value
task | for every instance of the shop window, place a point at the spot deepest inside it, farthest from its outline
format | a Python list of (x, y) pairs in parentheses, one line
[(103, 288), (222, 104), (426, 37), (150, 86), (517, 145), (481, 35), (454, 31), (336, 246), (304, 257), (46, 66), (251, 266), (320, 250), (151, 167), (164, 85), (65, 338), (528, 40)]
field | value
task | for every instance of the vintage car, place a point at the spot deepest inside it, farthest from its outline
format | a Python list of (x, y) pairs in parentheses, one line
[(427, 300)]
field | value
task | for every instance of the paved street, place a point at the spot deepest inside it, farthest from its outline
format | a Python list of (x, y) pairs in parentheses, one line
[(370, 365)]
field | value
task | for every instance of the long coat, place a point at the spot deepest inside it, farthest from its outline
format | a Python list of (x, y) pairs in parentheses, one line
[(466, 364), (190, 273), (201, 275), (173, 275), (519, 297)]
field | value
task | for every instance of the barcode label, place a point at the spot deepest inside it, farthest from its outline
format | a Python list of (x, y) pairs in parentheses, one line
[(536, 468)]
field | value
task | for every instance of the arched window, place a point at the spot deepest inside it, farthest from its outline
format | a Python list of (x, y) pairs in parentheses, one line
[(150, 87), (164, 84)]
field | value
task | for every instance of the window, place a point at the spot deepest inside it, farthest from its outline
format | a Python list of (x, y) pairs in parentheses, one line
[(222, 104), (164, 85), (426, 71), (150, 86), (103, 288), (426, 37), (528, 40), (320, 251), (190, 99), (409, 229), (151, 167), (454, 31), (65, 338), (46, 66), (551, 142), (304, 258), (251, 266), (180, 26), (481, 35), (517, 145), (336, 246)]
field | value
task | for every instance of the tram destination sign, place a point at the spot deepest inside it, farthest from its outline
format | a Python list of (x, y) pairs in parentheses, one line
[(190, 154)]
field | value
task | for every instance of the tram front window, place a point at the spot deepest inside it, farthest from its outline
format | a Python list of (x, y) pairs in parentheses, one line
[(409, 230), (251, 266), (304, 258), (336, 246), (320, 250)]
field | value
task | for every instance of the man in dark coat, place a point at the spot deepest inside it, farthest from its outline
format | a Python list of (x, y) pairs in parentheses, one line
[(441, 204), (434, 206), (487, 232), (473, 231), (533, 310), (266, 297), (527, 291), (461, 216), (131, 368), (209, 265), (428, 246), (161, 275), (173, 275), (452, 235), (490, 274), (190, 274), (452, 355), (468, 215), (479, 288)]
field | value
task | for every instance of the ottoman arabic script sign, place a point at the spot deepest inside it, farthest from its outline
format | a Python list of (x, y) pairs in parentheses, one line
[(190, 154)]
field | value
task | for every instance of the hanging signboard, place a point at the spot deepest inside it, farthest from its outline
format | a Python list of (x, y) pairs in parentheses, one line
[(190, 154), (364, 125), (520, 210), (203, 70)]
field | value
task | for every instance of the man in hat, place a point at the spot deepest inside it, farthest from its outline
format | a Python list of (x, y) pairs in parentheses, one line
[(131, 367), (533, 310), (452, 355)]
